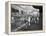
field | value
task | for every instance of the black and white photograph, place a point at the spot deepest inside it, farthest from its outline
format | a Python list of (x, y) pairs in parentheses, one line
[(26, 17)]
